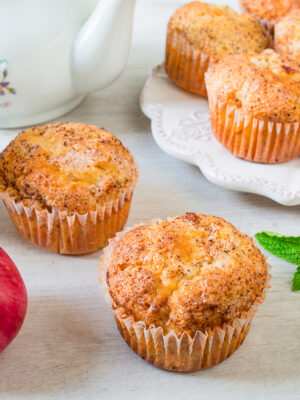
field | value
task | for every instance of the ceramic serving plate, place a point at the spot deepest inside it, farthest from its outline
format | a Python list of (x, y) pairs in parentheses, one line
[(181, 127)]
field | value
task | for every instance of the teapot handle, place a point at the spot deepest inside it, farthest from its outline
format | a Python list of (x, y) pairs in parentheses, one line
[(101, 48)]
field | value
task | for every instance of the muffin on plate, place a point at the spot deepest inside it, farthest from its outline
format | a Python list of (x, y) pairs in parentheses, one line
[(287, 35), (200, 34), (255, 106), (184, 290), (67, 186), (269, 11)]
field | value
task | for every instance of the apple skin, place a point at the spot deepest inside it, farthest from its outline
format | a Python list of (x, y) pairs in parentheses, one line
[(13, 300)]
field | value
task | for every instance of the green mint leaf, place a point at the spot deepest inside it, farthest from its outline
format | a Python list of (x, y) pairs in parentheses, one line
[(286, 247), (296, 280)]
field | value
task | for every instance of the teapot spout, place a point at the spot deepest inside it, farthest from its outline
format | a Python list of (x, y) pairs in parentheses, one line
[(101, 48)]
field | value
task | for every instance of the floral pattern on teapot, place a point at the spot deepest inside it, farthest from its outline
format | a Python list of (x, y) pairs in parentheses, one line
[(5, 88)]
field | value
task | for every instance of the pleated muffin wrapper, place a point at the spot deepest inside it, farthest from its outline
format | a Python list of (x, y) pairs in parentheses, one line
[(253, 139), (59, 232), (186, 65), (168, 351)]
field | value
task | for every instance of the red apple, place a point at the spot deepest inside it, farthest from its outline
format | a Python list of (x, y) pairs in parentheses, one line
[(13, 300)]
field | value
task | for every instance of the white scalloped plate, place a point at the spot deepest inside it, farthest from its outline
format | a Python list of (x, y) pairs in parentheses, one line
[(181, 127)]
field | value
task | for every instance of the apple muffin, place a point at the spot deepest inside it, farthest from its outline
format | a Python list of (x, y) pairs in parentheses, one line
[(287, 35), (186, 281), (255, 106), (67, 186), (269, 10), (200, 34)]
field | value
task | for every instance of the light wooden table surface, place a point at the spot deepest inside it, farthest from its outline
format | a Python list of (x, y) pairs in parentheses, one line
[(69, 347)]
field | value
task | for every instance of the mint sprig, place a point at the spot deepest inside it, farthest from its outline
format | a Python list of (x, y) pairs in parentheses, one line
[(296, 280), (286, 247)]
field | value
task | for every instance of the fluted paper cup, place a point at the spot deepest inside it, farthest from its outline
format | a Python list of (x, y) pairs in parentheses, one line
[(168, 351), (59, 232), (186, 65), (253, 139)]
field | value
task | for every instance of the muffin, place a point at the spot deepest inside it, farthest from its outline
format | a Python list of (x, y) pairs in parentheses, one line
[(200, 34), (269, 11), (287, 35), (67, 186), (184, 290), (255, 106)]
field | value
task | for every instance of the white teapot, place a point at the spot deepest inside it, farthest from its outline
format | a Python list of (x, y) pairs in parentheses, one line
[(54, 52)]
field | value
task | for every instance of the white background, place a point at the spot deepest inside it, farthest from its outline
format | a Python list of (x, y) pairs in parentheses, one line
[(69, 347)]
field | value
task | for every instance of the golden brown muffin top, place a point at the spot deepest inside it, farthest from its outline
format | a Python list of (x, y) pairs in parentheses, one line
[(71, 166), (265, 85), (287, 35), (218, 30), (270, 10), (186, 273)]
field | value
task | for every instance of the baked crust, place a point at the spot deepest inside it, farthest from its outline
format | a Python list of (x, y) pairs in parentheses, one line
[(186, 273), (217, 30), (270, 10), (70, 166), (263, 86), (287, 35)]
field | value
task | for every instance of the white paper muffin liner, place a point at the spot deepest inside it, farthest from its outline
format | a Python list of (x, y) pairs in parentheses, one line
[(169, 351), (253, 139), (59, 232), (186, 65)]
